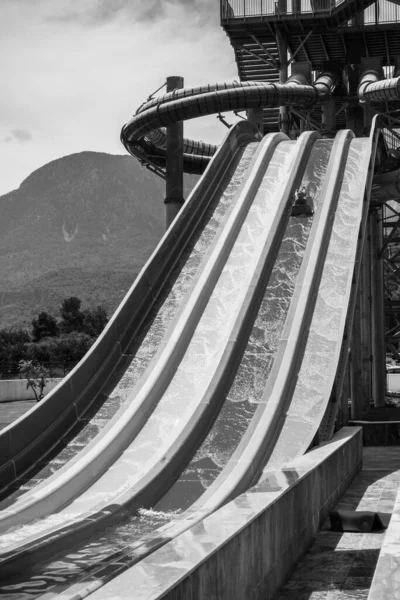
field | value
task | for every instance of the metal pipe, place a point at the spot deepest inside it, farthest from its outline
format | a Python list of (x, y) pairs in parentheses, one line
[(374, 89)]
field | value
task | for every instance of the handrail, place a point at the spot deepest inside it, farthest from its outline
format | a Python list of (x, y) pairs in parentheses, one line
[(379, 12)]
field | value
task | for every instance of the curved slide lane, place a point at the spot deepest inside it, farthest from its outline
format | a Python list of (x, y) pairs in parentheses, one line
[(228, 316), (298, 417), (272, 437), (166, 390), (139, 326), (342, 171)]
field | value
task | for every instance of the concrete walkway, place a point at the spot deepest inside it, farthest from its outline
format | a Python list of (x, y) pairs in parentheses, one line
[(341, 565)]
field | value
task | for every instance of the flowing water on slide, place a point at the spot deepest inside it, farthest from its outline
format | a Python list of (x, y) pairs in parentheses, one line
[(230, 425), (142, 350)]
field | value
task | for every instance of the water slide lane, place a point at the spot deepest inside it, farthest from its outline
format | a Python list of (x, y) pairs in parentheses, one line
[(144, 397), (81, 471), (282, 286), (27, 440), (96, 584), (315, 272), (334, 308), (175, 412), (242, 471), (347, 182), (224, 180)]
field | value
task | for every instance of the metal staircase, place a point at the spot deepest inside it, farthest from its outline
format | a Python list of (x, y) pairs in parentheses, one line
[(316, 31), (252, 66)]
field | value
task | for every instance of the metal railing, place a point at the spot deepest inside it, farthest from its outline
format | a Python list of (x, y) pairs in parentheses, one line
[(231, 9), (380, 12), (392, 138)]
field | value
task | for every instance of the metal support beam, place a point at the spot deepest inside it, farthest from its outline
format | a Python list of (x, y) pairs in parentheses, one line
[(324, 47), (257, 56), (345, 396), (328, 120), (357, 400), (256, 116), (365, 315), (283, 75), (174, 162), (377, 311), (300, 47), (271, 58)]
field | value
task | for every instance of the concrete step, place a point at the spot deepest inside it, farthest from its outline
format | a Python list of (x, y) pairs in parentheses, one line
[(340, 566)]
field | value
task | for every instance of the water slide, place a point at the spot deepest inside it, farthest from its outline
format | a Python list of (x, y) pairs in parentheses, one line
[(236, 258), (186, 395)]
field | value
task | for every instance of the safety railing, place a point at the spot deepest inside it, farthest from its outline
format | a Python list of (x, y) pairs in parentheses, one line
[(392, 138), (231, 9), (380, 12)]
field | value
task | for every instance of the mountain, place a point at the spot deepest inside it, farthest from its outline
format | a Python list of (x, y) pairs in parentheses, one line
[(82, 225)]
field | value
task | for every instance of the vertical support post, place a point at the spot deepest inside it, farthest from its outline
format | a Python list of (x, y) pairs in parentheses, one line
[(328, 110), (344, 400), (357, 401), (369, 114), (174, 162), (283, 75), (256, 116), (377, 310), (366, 342)]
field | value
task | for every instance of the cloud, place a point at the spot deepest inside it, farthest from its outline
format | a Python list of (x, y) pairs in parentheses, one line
[(101, 12), (21, 135), (73, 84)]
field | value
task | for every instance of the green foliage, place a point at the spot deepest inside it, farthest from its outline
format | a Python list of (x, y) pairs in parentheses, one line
[(67, 348), (44, 326), (13, 345), (35, 376), (60, 344), (91, 322), (72, 317), (94, 321)]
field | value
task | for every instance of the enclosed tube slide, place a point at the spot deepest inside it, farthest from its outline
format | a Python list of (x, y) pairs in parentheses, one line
[(144, 139), (373, 89)]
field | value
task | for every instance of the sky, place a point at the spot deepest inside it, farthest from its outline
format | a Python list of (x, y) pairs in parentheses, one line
[(74, 71)]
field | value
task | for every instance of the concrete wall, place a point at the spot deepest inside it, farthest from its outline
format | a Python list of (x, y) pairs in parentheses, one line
[(15, 389), (246, 549), (393, 382), (386, 583)]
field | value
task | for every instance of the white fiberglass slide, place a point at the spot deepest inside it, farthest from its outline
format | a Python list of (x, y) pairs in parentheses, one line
[(245, 233)]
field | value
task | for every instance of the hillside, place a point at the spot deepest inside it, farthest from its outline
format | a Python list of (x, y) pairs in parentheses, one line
[(81, 225)]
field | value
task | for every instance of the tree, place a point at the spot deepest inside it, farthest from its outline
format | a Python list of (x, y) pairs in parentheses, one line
[(71, 315), (35, 377), (94, 321), (44, 326), (14, 342)]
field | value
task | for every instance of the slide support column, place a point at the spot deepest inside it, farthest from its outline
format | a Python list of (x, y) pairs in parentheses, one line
[(378, 310), (174, 162), (283, 75), (366, 337), (357, 401), (256, 116)]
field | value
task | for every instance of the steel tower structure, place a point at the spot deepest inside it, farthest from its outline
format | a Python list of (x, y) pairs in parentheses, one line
[(356, 39)]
